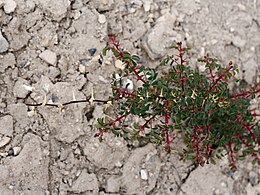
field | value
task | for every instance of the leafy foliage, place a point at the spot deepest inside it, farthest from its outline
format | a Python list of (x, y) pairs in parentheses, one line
[(182, 101)]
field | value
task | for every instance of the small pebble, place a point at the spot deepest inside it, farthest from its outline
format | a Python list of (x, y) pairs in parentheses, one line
[(83, 61), (27, 87), (128, 84), (102, 18), (144, 174), (82, 69), (16, 150), (224, 184), (147, 5), (3, 154), (9, 6), (92, 51), (49, 57), (241, 7), (119, 64), (102, 79), (77, 151)]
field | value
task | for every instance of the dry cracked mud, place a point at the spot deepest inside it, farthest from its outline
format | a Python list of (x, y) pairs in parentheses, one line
[(52, 48)]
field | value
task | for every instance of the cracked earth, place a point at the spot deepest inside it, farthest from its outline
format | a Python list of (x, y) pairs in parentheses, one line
[(52, 48)]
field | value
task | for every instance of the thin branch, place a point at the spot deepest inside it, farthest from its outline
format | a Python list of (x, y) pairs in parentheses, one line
[(66, 103)]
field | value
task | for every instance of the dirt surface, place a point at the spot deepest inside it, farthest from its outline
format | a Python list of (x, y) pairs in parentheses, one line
[(53, 48)]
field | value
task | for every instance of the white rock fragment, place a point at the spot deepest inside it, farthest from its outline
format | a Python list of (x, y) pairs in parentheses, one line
[(27, 87), (202, 68), (102, 19), (82, 68), (31, 113), (119, 64), (16, 150), (4, 45), (241, 7), (144, 174), (49, 57), (4, 141), (128, 84), (147, 5), (9, 6), (102, 79)]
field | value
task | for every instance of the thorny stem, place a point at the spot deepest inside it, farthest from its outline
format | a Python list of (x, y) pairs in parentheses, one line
[(180, 55), (137, 75), (118, 118), (219, 78), (67, 103)]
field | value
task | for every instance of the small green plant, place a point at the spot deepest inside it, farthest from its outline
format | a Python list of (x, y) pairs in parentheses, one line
[(182, 102)]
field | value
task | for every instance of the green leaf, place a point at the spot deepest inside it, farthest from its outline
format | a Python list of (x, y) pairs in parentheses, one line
[(104, 51), (136, 58)]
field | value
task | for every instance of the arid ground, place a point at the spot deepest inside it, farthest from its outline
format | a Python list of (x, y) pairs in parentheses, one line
[(52, 48)]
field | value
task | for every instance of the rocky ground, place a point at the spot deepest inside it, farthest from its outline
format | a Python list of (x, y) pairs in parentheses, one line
[(52, 48)]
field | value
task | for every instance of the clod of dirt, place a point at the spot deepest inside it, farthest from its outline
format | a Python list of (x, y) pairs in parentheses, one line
[(55, 9), (21, 88), (141, 158), (22, 169), (86, 182), (6, 125), (7, 60), (113, 184), (105, 154), (161, 36)]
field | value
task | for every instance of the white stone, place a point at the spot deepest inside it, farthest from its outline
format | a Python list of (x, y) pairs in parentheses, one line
[(16, 150), (129, 84), (4, 141), (102, 18), (147, 5), (144, 174), (4, 45), (49, 57), (82, 68), (3, 154), (27, 87), (241, 7), (9, 6), (119, 64)]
